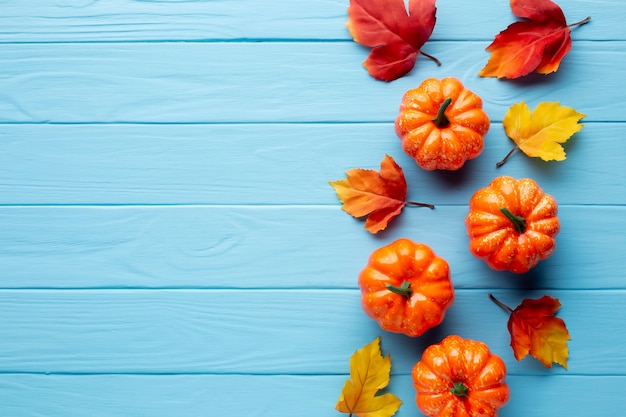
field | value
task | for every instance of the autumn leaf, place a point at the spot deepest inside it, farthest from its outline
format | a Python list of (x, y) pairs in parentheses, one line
[(396, 38), (378, 195), (539, 133), (536, 331), (369, 373), (537, 44)]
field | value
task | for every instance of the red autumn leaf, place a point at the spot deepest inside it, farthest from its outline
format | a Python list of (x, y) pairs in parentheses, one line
[(394, 36), (536, 331), (378, 195), (537, 44)]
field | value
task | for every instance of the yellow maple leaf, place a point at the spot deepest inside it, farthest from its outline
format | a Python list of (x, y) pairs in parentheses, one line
[(539, 133), (369, 372)]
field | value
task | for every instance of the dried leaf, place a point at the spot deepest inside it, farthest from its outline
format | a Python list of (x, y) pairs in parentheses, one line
[(378, 195), (396, 38), (536, 331), (539, 133), (369, 373), (537, 44)]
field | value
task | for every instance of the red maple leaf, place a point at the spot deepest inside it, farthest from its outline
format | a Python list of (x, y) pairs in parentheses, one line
[(378, 195), (537, 44), (394, 36), (536, 331)]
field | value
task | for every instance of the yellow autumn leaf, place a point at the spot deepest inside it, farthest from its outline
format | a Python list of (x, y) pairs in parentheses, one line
[(369, 373), (540, 133)]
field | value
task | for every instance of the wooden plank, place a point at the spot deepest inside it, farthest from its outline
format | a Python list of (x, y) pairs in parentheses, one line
[(260, 396), (271, 331), (173, 247), (269, 82), (273, 247), (271, 164), (126, 20)]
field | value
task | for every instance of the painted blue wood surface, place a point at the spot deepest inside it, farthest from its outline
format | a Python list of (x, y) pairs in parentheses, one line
[(169, 243)]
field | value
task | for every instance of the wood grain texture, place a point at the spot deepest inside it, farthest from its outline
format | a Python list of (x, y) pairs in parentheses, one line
[(272, 332), (270, 164), (169, 242), (132, 20), (274, 247), (302, 395), (270, 82)]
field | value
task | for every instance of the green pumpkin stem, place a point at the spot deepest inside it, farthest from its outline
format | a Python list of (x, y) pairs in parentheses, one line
[(442, 120), (459, 389), (519, 223), (404, 289)]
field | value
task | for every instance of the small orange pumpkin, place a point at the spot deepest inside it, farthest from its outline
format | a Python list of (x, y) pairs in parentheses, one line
[(406, 287), (460, 378), (512, 224), (441, 124)]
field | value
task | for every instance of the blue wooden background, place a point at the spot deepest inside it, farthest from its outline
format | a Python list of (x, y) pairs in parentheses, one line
[(169, 243)]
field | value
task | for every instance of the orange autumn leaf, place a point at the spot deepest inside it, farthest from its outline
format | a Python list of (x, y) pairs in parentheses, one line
[(396, 38), (536, 331), (537, 44), (378, 195), (369, 373)]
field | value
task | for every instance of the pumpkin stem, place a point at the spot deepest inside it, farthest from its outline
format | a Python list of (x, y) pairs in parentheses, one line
[(519, 223), (459, 389), (404, 289), (442, 120)]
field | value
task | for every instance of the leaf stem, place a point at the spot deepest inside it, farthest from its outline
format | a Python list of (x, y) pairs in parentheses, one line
[(433, 58), (582, 22), (416, 204), (500, 303), (506, 158)]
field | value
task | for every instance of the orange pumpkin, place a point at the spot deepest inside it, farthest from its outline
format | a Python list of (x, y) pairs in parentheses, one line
[(441, 124), (460, 378), (406, 287), (512, 224)]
